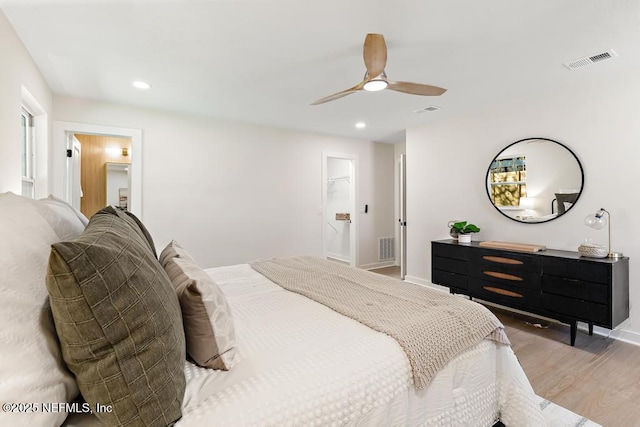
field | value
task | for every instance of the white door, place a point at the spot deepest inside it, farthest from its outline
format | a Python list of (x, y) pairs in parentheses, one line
[(402, 209), (339, 216), (74, 188)]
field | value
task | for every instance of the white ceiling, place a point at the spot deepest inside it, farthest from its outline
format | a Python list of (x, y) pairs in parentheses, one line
[(264, 61)]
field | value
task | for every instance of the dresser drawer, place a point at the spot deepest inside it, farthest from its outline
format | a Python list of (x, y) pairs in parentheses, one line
[(577, 269), (453, 251), (578, 289), (586, 311), (447, 278), (506, 268), (448, 264), (505, 261), (507, 294)]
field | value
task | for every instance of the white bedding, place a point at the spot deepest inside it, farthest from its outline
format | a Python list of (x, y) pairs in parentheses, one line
[(300, 363)]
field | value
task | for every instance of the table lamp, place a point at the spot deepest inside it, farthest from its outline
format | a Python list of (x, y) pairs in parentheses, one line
[(598, 221)]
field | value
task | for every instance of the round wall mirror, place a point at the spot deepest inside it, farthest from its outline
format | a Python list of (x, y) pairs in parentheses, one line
[(534, 180)]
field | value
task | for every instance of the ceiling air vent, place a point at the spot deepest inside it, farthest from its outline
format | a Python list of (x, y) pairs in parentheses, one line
[(588, 60), (429, 108)]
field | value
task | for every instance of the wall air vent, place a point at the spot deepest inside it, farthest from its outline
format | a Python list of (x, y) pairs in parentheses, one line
[(588, 60), (386, 248), (429, 108)]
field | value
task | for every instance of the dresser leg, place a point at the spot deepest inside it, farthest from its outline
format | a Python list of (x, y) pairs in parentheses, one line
[(590, 328), (574, 329)]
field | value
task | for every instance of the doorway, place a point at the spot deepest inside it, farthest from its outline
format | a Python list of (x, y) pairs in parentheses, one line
[(339, 225), (104, 172), (66, 182)]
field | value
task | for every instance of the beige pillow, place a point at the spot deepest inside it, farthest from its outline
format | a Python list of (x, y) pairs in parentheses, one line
[(119, 322), (173, 250), (206, 315)]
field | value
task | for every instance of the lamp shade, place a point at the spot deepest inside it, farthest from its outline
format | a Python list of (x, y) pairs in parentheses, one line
[(599, 221), (596, 221)]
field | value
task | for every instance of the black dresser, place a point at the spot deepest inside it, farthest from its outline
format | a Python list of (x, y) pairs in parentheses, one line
[(561, 285)]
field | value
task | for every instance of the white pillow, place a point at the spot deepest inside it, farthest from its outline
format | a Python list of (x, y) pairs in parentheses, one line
[(31, 366), (66, 221), (53, 199)]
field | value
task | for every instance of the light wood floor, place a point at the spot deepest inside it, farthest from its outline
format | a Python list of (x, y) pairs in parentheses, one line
[(599, 378)]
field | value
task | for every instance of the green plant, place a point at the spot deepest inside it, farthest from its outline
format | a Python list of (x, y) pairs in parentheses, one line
[(462, 227)]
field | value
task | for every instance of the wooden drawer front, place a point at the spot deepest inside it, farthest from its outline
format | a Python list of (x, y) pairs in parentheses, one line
[(452, 280), (577, 269), (582, 310), (444, 250), (506, 261), (448, 264), (507, 277), (508, 294), (506, 268), (589, 291)]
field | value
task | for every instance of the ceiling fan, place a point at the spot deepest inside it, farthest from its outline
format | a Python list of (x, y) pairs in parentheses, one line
[(375, 79)]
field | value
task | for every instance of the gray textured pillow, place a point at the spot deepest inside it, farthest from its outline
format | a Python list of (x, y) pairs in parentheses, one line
[(143, 229), (208, 324), (119, 322)]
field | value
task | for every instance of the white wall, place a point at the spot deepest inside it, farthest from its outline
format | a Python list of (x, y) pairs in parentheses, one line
[(17, 71), (597, 118), (231, 192)]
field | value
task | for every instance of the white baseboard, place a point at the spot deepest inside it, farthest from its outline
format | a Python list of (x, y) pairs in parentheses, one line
[(623, 335), (338, 258), (380, 264), (620, 334), (422, 282)]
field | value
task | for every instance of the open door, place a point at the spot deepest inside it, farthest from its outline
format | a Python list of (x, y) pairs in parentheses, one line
[(402, 209), (75, 167)]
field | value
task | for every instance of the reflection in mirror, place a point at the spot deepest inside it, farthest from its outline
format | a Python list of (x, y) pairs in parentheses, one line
[(118, 179), (534, 180)]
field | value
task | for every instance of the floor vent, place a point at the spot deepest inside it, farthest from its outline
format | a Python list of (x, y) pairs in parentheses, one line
[(588, 60), (386, 248)]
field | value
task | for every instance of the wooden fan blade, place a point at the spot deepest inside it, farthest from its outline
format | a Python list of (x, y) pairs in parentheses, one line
[(339, 94), (416, 88), (375, 54)]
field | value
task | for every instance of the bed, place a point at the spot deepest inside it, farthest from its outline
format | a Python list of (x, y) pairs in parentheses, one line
[(294, 362)]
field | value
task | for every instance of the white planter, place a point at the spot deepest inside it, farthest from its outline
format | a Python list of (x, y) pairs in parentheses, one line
[(464, 238)]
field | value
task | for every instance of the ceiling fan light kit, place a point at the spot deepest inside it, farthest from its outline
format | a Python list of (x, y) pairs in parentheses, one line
[(375, 60), (375, 85)]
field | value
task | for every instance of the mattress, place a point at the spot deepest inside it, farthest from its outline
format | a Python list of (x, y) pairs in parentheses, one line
[(301, 363)]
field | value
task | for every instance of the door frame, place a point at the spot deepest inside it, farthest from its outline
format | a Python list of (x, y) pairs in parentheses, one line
[(61, 165), (353, 228)]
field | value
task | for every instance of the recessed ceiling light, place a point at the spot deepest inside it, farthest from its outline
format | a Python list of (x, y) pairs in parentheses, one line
[(141, 85), (360, 125)]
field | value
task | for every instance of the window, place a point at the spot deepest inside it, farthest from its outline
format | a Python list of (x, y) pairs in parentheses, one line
[(28, 178), (508, 181)]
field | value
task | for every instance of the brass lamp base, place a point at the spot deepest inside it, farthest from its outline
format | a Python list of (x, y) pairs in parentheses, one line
[(615, 255)]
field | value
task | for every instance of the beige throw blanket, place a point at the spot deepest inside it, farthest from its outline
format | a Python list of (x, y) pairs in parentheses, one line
[(431, 326)]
